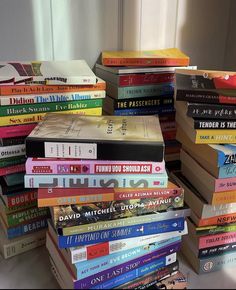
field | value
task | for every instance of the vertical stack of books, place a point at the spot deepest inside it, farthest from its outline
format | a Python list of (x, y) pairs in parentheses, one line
[(116, 220), (28, 90), (206, 118), (142, 83)]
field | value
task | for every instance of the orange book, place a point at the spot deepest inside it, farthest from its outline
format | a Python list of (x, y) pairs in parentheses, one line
[(216, 220), (162, 57), (45, 89)]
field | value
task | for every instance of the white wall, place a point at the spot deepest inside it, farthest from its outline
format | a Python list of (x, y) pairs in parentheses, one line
[(70, 29)]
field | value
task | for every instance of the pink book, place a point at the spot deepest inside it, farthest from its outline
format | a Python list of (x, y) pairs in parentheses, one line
[(75, 166)]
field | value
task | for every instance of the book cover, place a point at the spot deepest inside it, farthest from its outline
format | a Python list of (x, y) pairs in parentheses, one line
[(97, 137), (72, 72), (162, 57)]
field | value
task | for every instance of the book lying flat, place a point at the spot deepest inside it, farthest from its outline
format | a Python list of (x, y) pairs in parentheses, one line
[(72, 72), (137, 138)]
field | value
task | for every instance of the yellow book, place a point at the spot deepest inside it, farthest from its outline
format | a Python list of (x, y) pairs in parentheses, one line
[(35, 118), (162, 57)]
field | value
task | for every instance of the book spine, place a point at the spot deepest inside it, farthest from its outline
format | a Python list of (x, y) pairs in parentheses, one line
[(6, 162), (12, 169), (111, 211), (227, 171), (212, 230), (21, 198), (12, 151), (145, 91), (12, 141), (133, 275), (38, 108), (25, 244), (16, 131), (98, 181), (215, 137), (45, 199), (217, 240), (48, 89), (106, 275), (145, 111), (105, 263), (57, 166), (50, 98), (114, 248), (145, 79), (225, 184), (26, 228), (218, 250), (199, 96), (214, 125), (145, 61), (150, 277), (140, 103), (217, 220), (129, 221), (121, 233), (211, 111), (34, 118), (212, 264), (226, 158), (223, 197), (16, 218), (209, 211)]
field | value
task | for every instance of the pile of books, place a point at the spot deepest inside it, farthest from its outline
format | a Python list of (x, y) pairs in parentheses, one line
[(142, 83), (206, 118), (28, 90), (117, 222)]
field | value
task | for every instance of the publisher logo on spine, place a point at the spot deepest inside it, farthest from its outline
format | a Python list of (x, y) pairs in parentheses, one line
[(208, 266)]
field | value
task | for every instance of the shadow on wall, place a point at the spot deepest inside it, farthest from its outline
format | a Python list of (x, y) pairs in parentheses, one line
[(202, 29)]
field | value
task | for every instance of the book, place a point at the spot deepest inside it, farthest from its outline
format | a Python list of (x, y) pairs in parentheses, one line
[(162, 57), (72, 72), (205, 79), (124, 70), (101, 137)]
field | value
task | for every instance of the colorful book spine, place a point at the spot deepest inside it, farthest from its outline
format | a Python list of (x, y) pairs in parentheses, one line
[(134, 274), (215, 137), (14, 247), (217, 240), (121, 233), (12, 169), (68, 216), (139, 79), (34, 118), (218, 250), (103, 181), (26, 228), (20, 198), (201, 96), (102, 277), (145, 111), (38, 108), (92, 267), (60, 196), (86, 253), (227, 171), (12, 141), (150, 278), (211, 111), (70, 166), (50, 98), (217, 220), (12, 151), (14, 131), (49, 89), (19, 217), (12, 161), (124, 222), (216, 229)]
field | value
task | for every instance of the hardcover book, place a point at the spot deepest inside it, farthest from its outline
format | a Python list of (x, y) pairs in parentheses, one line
[(137, 138), (162, 57), (73, 72)]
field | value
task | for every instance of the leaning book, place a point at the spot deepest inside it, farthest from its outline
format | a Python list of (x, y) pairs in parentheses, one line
[(72, 72), (97, 137)]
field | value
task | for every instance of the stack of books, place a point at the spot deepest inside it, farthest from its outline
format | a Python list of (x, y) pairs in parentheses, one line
[(28, 90), (206, 118), (142, 83), (117, 221)]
